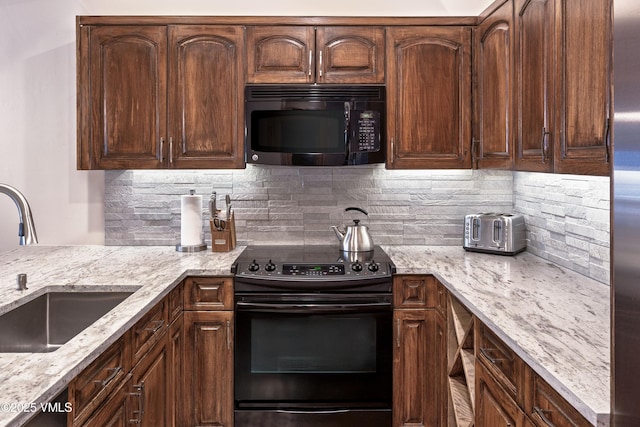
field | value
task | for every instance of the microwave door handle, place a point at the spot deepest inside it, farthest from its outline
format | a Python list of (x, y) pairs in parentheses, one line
[(347, 130)]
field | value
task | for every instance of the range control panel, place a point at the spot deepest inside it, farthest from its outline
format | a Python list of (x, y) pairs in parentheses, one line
[(273, 269), (313, 269)]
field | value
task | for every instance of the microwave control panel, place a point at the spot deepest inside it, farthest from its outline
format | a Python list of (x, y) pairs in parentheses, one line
[(366, 135)]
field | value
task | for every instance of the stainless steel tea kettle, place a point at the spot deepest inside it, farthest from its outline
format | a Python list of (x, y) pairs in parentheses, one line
[(356, 237)]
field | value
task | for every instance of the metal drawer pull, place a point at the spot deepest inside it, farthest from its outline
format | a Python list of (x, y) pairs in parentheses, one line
[(114, 373), (157, 325), (228, 335), (493, 360), (139, 392), (543, 415)]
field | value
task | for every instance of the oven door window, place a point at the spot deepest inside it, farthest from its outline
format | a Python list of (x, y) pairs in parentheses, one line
[(322, 345), (298, 131), (301, 358)]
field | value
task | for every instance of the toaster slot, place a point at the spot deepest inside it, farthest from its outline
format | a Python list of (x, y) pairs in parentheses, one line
[(498, 232), (475, 229)]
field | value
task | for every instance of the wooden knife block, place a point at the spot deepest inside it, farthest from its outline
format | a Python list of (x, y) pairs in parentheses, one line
[(225, 240)]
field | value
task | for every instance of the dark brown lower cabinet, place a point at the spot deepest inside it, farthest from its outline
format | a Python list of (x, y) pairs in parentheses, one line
[(419, 394), (151, 390), (116, 411), (494, 406), (208, 361)]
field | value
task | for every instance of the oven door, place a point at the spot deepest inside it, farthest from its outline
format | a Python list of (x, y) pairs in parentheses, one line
[(318, 352)]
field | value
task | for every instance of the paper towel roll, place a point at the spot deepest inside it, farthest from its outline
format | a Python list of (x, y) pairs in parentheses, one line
[(191, 220)]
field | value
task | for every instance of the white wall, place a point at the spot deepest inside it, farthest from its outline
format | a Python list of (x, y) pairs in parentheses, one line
[(38, 104)]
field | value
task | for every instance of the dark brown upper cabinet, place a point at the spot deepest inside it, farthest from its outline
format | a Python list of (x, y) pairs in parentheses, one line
[(563, 93), (428, 97), (306, 54), (494, 91), (160, 96)]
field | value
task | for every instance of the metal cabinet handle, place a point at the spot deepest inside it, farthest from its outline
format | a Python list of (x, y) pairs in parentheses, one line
[(171, 150), (398, 331), (475, 152), (607, 140), (157, 325), (140, 394), (320, 63), (544, 146), (310, 61), (228, 335), (543, 415), (114, 373), (493, 360), (161, 149)]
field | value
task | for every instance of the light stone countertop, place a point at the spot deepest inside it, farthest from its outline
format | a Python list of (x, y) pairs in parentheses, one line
[(556, 320)]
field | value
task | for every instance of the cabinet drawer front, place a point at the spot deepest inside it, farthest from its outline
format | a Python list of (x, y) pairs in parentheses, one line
[(149, 329), (418, 291), (494, 406), (89, 389), (550, 409), (501, 361), (208, 293)]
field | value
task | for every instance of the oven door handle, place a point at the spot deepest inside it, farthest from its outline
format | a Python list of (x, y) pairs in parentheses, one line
[(312, 307), (311, 411)]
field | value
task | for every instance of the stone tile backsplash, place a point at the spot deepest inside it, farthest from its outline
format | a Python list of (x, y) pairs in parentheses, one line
[(567, 216)]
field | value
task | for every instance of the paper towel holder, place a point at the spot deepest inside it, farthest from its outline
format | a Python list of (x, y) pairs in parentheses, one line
[(191, 248)]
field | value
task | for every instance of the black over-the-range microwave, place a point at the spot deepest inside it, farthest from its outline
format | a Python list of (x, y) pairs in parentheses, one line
[(314, 125)]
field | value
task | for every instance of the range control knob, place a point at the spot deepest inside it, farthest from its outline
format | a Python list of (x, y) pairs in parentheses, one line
[(254, 266), (270, 266), (373, 267), (356, 266)]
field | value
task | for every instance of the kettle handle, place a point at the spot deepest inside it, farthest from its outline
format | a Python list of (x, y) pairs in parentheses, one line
[(356, 209)]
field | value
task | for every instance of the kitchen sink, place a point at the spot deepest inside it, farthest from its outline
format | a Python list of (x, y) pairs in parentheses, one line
[(47, 322)]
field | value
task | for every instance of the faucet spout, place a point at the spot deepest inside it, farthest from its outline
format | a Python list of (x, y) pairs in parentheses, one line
[(27, 229)]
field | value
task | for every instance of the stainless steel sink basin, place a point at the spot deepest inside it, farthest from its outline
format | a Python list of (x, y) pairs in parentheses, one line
[(50, 320)]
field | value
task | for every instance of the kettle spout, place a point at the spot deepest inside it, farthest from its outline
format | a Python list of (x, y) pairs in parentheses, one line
[(339, 233)]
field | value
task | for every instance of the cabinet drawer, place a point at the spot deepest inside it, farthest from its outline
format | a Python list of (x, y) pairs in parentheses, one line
[(419, 291), (149, 329), (501, 361), (89, 389), (549, 409), (208, 293)]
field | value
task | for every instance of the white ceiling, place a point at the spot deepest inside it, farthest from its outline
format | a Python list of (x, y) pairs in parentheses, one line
[(289, 7)]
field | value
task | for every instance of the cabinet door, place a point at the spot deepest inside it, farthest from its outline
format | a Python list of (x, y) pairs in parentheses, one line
[(122, 86), (208, 368), (534, 87), (429, 97), (418, 369), (280, 54), (116, 411), (206, 106), (493, 94), (152, 390), (494, 407), (583, 78), (350, 55)]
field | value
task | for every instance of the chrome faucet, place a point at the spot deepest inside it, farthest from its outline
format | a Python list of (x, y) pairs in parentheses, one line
[(26, 230)]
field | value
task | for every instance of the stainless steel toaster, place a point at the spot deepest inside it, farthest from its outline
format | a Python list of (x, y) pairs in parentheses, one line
[(499, 233)]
